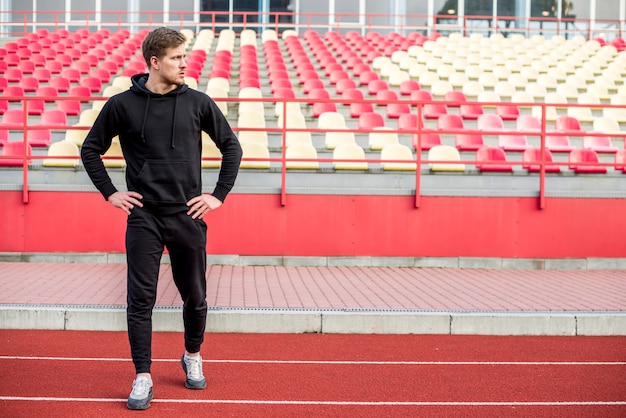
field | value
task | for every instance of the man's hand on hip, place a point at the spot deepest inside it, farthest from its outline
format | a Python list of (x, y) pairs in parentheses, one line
[(199, 206)]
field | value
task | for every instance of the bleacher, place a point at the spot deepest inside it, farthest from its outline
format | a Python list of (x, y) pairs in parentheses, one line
[(353, 104)]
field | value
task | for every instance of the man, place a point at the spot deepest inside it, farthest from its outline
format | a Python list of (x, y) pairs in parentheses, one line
[(160, 121)]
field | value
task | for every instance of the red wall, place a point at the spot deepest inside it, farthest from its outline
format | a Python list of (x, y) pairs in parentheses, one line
[(338, 225)]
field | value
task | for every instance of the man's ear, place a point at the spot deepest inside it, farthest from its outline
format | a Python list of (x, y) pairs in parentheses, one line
[(154, 62)]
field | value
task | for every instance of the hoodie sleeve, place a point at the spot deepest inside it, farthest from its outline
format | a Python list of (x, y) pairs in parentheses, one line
[(97, 143), (216, 125)]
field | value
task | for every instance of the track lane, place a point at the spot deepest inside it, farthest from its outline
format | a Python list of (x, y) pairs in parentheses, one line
[(320, 375)]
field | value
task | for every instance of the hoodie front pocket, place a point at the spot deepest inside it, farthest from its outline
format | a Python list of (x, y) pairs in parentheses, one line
[(166, 181)]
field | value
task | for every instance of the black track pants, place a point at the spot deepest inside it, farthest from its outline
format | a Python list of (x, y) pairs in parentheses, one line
[(185, 238)]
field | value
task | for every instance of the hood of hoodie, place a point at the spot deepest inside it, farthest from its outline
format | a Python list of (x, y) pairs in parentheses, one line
[(139, 87)]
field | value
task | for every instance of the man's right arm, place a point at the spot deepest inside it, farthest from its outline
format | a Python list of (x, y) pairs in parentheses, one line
[(97, 143)]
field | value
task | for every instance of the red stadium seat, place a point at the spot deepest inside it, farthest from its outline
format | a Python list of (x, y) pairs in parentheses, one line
[(375, 86), (55, 117), (42, 75), (469, 142), (507, 112), (15, 150), (511, 142), (531, 158), (62, 84), (601, 143), (29, 84), (13, 75), (312, 84), (47, 91), (528, 123), (429, 110), (588, 158), (409, 86), (344, 84), (371, 120), (16, 91), (567, 123), (489, 122), (450, 121), (94, 84), (620, 160), (558, 143), (487, 154)]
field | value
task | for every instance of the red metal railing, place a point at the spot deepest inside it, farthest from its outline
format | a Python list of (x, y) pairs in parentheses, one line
[(419, 130)]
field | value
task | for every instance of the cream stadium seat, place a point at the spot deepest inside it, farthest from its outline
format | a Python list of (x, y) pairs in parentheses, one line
[(62, 149), (349, 151), (445, 153), (301, 151), (210, 150), (330, 120), (255, 150), (397, 152), (335, 138), (381, 137), (114, 156)]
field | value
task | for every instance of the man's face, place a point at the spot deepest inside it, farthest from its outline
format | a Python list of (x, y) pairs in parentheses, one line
[(171, 67)]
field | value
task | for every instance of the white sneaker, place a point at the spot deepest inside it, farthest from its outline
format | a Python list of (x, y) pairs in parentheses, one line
[(141, 394), (193, 368)]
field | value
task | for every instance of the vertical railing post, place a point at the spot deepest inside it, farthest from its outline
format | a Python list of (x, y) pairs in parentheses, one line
[(542, 163), (25, 151), (283, 169), (418, 156)]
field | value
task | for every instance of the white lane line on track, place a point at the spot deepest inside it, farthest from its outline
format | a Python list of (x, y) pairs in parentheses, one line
[(335, 403), (339, 362)]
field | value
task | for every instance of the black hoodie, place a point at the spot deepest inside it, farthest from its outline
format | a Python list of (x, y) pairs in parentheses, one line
[(161, 138)]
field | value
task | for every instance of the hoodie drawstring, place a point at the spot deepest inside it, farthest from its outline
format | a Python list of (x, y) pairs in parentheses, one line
[(145, 118), (174, 121)]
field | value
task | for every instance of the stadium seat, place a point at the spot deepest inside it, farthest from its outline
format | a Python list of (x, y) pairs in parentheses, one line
[(468, 142), (606, 125), (13, 154), (344, 84), (54, 117), (301, 151), (257, 151), (532, 157), (489, 122), (60, 149), (440, 158), (600, 143), (370, 120), (620, 160), (15, 91), (211, 152), (114, 156), (407, 87), (558, 143), (567, 124), (62, 84), (367, 77), (528, 123), (331, 120), (507, 111), (349, 151), (429, 110), (332, 139), (588, 158), (512, 142), (497, 156), (375, 86), (381, 137), (397, 151), (450, 121)]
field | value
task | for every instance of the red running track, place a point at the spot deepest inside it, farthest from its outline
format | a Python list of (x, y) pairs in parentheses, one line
[(88, 374)]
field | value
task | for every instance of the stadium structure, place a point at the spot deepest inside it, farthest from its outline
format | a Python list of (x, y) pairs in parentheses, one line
[(404, 133)]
